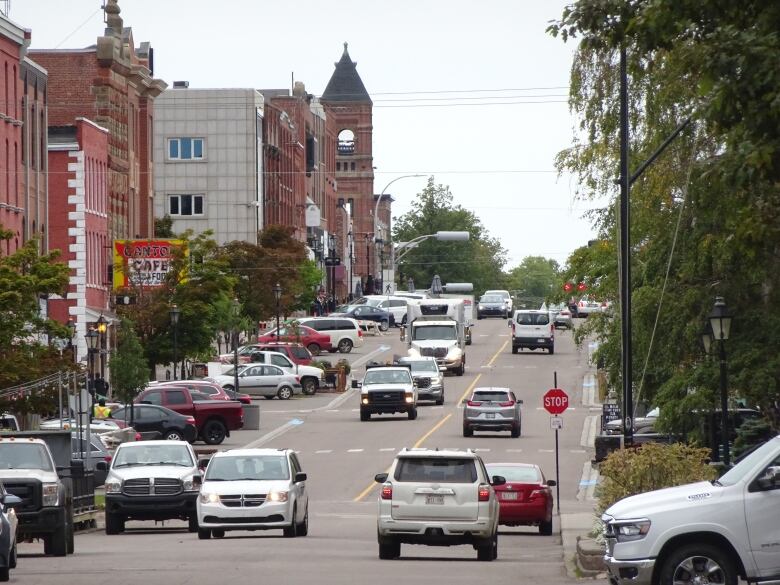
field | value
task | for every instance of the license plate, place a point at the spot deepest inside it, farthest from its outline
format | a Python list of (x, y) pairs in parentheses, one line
[(490, 415), (508, 495), (434, 499), (541, 340)]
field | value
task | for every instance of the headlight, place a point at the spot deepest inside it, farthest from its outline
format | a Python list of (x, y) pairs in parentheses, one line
[(364, 398), (192, 483), (51, 494), (409, 397), (276, 496), (209, 498), (631, 530), (113, 487), (481, 306), (454, 353)]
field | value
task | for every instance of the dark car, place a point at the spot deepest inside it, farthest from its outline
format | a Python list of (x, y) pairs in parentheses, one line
[(149, 418), (492, 306), (367, 313), (99, 452), (8, 524)]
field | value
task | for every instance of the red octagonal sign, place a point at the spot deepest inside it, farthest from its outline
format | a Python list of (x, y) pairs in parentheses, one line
[(555, 401)]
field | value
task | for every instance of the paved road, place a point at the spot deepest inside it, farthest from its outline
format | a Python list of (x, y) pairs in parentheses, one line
[(341, 455)]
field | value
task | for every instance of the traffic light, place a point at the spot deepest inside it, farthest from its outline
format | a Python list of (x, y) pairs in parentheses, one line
[(582, 286), (568, 287)]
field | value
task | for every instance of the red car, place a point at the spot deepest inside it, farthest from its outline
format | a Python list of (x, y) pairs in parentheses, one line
[(311, 339), (526, 498), (210, 389)]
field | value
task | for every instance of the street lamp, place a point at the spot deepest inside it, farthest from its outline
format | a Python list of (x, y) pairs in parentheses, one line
[(236, 308), (380, 281), (174, 313), (720, 322), (92, 337), (278, 297), (444, 236)]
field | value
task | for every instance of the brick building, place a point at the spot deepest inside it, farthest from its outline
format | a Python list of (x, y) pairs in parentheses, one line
[(33, 182), (349, 106), (79, 215), (112, 84)]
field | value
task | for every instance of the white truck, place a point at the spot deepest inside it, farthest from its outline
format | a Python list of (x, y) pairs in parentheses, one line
[(437, 328), (707, 532)]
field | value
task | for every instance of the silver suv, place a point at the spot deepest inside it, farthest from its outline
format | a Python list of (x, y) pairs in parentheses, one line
[(438, 498), (492, 409)]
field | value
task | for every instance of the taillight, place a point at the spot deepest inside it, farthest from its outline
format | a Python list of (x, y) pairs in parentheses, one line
[(508, 403), (360, 333), (190, 420), (484, 492), (107, 458), (513, 327), (138, 436), (474, 403), (387, 491), (539, 493), (297, 378)]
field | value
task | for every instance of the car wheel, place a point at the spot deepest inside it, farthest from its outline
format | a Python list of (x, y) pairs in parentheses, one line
[(345, 346), (515, 431), (412, 414), (698, 563), (71, 539), (59, 542), (552, 350), (115, 523), (545, 528), (218, 533), (440, 401), (5, 574), (303, 527), (384, 325), (314, 348), (390, 550), (214, 432), (285, 393), (488, 550), (229, 388), (204, 533), (291, 531), (192, 523), (309, 386), (173, 435), (364, 416), (403, 321), (12, 559), (461, 370), (468, 431), (514, 349)]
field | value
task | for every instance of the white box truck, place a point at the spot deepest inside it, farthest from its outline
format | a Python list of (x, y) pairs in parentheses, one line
[(437, 328)]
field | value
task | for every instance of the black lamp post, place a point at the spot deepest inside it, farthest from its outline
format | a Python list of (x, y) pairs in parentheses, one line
[(720, 322), (278, 297), (368, 259), (380, 269), (92, 338), (236, 309), (102, 328), (174, 313)]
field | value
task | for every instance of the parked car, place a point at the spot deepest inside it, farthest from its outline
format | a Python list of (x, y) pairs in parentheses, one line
[(587, 306), (310, 377), (315, 341), (8, 422), (492, 306), (97, 452), (210, 389), (262, 380), (526, 498), (97, 426), (253, 489), (492, 409), (532, 330), (392, 303), (214, 419), (438, 498), (152, 480), (295, 352), (149, 418), (345, 333), (384, 318), (8, 525)]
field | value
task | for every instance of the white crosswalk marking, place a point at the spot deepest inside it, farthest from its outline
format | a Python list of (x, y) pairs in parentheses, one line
[(388, 449), (324, 451), (354, 450)]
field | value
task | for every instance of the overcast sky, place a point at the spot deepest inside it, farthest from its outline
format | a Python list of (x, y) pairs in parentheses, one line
[(472, 92)]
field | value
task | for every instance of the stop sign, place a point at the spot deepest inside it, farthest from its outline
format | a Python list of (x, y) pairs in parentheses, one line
[(555, 401)]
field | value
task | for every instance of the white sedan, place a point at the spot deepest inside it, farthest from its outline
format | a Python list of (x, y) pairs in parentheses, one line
[(262, 380)]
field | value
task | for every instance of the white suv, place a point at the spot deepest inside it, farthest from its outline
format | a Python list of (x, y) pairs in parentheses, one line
[(532, 329), (345, 333), (438, 498)]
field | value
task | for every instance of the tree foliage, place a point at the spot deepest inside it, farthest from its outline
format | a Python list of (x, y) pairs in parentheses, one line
[(479, 261), (707, 212), (535, 276), (129, 371)]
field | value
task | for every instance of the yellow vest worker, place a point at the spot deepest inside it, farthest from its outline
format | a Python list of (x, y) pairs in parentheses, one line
[(101, 410)]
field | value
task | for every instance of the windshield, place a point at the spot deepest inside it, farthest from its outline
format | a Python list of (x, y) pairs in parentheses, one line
[(248, 468), (491, 299), (741, 469), (424, 366), (426, 332), (24, 456), (172, 454), (380, 376), (515, 473), (230, 372)]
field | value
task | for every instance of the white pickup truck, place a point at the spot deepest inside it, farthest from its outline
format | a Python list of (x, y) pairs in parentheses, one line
[(701, 533)]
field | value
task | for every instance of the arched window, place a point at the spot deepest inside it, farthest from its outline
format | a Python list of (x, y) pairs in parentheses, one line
[(346, 142)]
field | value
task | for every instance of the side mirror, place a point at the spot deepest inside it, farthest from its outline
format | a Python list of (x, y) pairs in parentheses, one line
[(197, 480), (415, 383), (509, 323), (203, 463), (300, 476), (551, 483), (357, 384), (10, 500), (380, 477), (442, 369), (101, 466), (519, 401), (498, 480)]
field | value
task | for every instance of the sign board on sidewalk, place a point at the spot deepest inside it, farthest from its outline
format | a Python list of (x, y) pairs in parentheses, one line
[(555, 401), (556, 423), (609, 412)]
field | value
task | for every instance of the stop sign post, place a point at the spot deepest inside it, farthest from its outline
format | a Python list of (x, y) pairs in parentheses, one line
[(555, 401)]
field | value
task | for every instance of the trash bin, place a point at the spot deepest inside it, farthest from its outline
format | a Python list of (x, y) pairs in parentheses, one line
[(251, 417)]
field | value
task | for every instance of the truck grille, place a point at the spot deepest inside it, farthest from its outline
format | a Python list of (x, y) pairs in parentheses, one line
[(155, 486), (386, 397), (27, 491), (438, 352), (242, 500), (423, 382)]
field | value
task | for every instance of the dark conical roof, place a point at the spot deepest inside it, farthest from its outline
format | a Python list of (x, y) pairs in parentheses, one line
[(345, 84)]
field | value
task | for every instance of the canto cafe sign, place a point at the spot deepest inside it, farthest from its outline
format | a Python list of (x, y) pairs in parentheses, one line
[(143, 263)]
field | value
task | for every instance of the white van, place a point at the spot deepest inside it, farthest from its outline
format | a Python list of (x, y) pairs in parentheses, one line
[(345, 333)]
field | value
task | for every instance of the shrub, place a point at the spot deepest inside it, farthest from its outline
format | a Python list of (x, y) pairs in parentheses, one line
[(650, 467), (342, 363), (322, 364)]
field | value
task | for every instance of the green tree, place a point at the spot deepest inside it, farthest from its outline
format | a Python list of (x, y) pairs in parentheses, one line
[(129, 369), (706, 214), (479, 261), (535, 276)]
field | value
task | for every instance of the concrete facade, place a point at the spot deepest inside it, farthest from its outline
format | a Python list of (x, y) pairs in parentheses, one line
[(208, 146)]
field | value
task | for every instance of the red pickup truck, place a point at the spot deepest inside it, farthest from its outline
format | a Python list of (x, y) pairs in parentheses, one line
[(214, 419)]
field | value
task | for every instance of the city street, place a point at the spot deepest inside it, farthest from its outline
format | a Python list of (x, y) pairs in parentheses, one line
[(341, 456)]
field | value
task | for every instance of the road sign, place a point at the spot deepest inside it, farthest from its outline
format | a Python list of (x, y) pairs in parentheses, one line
[(556, 423), (555, 401), (609, 411), (332, 261)]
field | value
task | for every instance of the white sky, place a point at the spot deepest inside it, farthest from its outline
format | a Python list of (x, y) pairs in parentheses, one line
[(497, 159)]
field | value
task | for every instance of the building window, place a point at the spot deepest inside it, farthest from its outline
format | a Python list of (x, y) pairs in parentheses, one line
[(185, 148), (185, 204)]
